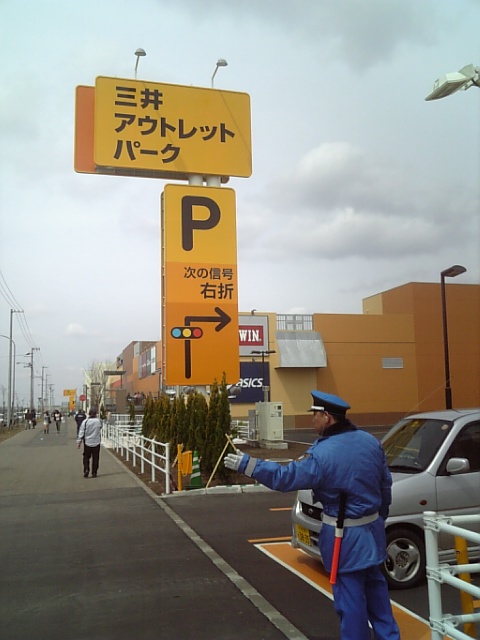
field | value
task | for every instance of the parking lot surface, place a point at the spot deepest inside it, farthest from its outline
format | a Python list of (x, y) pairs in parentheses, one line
[(105, 558)]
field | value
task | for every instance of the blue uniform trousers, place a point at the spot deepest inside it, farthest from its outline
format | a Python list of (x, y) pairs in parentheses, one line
[(361, 597)]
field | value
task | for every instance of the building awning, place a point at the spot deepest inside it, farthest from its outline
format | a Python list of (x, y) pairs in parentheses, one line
[(301, 349)]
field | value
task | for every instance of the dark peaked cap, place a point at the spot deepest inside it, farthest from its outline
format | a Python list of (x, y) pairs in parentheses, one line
[(328, 402)]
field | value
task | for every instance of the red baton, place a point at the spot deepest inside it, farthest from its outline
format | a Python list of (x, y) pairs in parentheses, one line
[(338, 538)]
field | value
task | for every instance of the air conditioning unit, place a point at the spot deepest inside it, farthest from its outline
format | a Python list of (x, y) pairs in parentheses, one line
[(269, 420)]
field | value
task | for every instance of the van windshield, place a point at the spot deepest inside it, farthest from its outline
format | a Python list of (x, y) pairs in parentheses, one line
[(410, 448)]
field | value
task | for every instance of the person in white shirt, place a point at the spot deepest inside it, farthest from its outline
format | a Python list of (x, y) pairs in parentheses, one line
[(90, 433)]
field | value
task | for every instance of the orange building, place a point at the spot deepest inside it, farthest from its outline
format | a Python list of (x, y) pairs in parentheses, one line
[(386, 362)]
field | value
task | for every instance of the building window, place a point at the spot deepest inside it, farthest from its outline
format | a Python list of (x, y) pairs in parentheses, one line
[(392, 363), (294, 322)]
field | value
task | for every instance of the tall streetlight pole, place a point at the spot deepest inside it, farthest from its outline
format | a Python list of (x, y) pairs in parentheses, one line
[(265, 388), (451, 272)]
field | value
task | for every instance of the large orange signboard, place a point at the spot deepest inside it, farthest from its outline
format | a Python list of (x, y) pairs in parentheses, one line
[(172, 129), (199, 285), (84, 115)]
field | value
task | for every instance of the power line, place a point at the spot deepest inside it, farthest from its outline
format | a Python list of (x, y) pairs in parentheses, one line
[(7, 293)]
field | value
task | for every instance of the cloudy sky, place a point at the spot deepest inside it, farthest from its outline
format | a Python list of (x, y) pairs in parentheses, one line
[(359, 185)]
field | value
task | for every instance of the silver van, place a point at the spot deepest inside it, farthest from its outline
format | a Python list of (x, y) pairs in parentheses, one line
[(434, 459)]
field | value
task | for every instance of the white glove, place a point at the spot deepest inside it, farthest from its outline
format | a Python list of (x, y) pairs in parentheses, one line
[(233, 460)]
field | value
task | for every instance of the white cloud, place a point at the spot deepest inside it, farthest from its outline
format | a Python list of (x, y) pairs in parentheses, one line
[(340, 201), (76, 330)]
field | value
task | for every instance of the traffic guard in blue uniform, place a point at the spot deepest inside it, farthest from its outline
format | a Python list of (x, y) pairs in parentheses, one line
[(346, 470)]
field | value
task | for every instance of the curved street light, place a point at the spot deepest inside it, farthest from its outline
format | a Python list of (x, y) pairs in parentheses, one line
[(140, 53), (221, 62), (468, 76)]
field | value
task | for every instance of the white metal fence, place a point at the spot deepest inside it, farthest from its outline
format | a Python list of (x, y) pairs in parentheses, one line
[(240, 428), (124, 419), (442, 624), (128, 440)]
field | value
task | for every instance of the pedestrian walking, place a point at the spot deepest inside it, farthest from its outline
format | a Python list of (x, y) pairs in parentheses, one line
[(79, 418), (347, 472), (46, 422), (57, 416), (32, 418), (90, 433)]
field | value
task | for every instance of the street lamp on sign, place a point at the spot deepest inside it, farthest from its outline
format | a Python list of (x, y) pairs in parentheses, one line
[(140, 53), (221, 62), (451, 272)]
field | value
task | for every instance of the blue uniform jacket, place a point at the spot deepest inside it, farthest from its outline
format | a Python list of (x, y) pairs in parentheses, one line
[(344, 460)]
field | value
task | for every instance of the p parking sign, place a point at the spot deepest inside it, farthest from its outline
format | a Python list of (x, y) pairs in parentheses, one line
[(199, 285)]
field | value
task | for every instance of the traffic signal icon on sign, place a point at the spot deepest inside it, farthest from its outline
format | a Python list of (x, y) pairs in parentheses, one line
[(186, 333)]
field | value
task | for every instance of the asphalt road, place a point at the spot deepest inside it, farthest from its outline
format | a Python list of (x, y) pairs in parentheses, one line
[(105, 559), (307, 436)]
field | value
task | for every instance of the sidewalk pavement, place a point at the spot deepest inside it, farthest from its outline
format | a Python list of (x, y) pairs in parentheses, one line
[(103, 558)]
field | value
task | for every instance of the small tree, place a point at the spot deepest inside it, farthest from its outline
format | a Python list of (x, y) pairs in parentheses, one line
[(223, 427), (163, 418), (148, 423), (171, 435), (181, 422), (190, 422), (209, 446), (197, 416)]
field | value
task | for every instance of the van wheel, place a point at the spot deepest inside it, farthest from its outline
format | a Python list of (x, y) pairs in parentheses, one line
[(405, 564)]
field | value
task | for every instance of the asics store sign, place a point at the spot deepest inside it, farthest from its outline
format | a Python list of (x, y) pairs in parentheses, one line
[(251, 382)]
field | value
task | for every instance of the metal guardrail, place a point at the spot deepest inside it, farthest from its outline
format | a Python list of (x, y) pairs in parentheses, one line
[(128, 440), (124, 419), (442, 624), (240, 428)]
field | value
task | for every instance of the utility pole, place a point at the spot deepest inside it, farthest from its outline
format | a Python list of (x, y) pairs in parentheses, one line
[(42, 399), (32, 406), (9, 384), (45, 391), (10, 364)]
